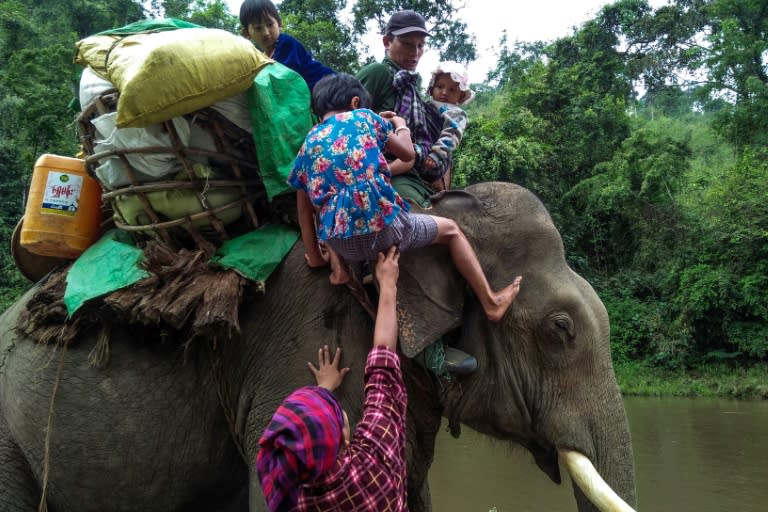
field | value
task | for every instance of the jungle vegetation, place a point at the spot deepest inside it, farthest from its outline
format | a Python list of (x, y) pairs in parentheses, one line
[(643, 131)]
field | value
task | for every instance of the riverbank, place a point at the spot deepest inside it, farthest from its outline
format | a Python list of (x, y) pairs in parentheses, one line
[(751, 383)]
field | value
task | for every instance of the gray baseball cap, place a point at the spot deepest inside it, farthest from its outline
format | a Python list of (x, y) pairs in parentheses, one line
[(405, 22)]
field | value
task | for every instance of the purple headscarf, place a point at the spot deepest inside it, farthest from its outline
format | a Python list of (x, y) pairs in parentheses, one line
[(300, 443)]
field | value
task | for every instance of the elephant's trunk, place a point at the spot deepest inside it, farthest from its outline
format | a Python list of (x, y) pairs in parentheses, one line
[(586, 477)]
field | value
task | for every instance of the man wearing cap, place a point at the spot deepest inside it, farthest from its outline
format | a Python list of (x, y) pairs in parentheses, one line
[(394, 85), (404, 41)]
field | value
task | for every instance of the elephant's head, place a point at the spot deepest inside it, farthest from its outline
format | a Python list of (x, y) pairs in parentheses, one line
[(545, 377)]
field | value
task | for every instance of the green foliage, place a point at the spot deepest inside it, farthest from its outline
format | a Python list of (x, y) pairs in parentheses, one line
[(316, 24), (735, 63), (208, 13), (37, 83), (721, 44), (519, 156), (579, 125), (673, 205), (214, 14), (723, 295), (13, 186), (734, 210), (702, 289), (627, 212), (506, 140), (653, 205), (719, 379), (636, 326)]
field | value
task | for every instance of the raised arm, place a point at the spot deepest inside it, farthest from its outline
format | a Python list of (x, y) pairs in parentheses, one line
[(387, 272)]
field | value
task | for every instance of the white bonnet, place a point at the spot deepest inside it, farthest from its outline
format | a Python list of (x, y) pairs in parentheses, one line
[(458, 74)]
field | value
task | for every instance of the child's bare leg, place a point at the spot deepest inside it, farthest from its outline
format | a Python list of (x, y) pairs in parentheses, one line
[(339, 270), (494, 303), (306, 213)]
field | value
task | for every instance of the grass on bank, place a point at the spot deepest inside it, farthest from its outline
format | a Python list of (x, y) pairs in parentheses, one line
[(636, 379)]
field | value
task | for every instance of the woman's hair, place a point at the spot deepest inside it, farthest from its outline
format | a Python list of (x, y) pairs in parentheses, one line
[(335, 92), (258, 10)]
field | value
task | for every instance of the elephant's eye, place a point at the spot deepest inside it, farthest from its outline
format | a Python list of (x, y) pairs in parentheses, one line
[(561, 327)]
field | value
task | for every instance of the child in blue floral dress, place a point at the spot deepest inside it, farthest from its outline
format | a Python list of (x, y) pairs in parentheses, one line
[(343, 180)]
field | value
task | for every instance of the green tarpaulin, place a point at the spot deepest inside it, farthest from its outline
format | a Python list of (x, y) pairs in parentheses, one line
[(149, 26), (256, 254), (113, 262), (279, 101), (106, 266)]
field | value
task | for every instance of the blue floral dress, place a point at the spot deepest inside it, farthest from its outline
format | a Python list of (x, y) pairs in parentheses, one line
[(341, 167)]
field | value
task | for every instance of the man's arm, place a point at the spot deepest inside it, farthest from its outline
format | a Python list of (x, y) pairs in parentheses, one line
[(387, 271)]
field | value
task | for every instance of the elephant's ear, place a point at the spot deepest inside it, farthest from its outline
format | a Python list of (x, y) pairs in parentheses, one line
[(430, 298), (430, 290)]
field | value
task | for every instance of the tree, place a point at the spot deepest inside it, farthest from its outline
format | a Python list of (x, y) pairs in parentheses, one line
[(506, 139), (721, 295), (208, 13), (718, 45), (316, 23), (628, 211), (738, 68), (37, 83), (573, 94)]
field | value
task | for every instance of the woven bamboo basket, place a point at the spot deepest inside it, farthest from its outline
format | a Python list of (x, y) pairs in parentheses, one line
[(233, 161)]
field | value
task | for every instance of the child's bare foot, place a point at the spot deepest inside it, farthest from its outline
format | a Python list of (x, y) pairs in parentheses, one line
[(503, 300), (339, 275), (315, 261)]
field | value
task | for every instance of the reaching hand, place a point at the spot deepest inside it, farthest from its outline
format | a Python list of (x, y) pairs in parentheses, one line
[(387, 269), (327, 373)]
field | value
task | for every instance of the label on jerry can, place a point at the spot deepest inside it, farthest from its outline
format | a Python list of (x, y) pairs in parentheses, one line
[(62, 193)]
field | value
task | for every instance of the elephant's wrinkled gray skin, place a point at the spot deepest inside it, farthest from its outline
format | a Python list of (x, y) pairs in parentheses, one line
[(149, 431)]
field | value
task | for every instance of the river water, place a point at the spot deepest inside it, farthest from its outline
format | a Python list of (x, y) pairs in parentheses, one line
[(691, 455)]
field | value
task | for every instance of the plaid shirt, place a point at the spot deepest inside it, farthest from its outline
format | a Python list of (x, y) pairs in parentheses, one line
[(424, 120), (371, 474)]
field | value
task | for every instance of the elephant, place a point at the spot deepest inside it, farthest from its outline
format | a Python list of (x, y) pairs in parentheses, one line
[(161, 429)]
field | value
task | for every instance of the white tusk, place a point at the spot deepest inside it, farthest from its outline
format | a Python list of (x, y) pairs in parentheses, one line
[(584, 475)]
